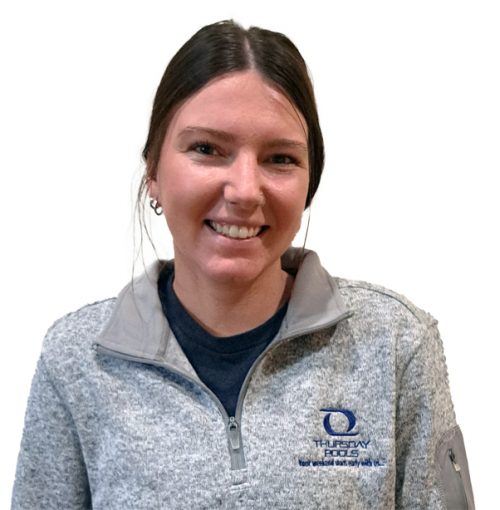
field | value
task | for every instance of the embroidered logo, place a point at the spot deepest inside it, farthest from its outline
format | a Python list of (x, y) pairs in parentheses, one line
[(344, 445), (343, 412)]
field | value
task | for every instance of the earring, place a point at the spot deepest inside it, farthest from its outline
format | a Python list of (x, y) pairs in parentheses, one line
[(155, 205)]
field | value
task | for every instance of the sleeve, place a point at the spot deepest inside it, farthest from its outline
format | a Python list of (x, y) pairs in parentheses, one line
[(431, 464), (50, 471)]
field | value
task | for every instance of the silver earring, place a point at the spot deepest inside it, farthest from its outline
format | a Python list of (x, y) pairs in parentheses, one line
[(155, 205)]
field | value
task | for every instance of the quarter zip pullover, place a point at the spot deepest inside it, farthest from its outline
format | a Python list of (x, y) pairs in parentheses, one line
[(348, 407)]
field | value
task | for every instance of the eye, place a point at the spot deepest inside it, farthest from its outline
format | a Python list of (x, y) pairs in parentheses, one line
[(283, 159), (205, 148)]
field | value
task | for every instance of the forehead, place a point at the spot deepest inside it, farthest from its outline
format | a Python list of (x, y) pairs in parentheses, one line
[(241, 103)]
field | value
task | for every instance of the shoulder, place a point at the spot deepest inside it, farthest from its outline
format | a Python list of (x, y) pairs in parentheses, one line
[(68, 342), (380, 313), (369, 298), (382, 316)]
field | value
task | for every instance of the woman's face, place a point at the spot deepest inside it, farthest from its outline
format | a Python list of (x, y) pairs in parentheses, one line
[(232, 179)]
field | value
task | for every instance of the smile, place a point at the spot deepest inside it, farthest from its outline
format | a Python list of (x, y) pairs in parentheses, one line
[(235, 231)]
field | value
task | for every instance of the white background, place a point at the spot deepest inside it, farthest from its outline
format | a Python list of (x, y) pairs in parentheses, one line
[(408, 94)]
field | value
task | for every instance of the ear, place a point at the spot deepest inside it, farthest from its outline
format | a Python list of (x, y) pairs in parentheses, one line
[(153, 189)]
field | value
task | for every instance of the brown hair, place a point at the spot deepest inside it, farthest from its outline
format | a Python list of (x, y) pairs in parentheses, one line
[(225, 47)]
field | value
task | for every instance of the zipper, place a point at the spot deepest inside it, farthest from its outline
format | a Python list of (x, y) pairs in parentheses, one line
[(235, 444), (233, 433), (458, 470), (233, 423), (233, 429), (453, 459), (235, 439)]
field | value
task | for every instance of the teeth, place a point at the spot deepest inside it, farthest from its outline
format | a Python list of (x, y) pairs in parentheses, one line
[(234, 231)]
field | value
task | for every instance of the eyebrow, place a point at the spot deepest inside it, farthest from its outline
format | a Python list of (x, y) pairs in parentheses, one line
[(222, 135), (230, 137), (285, 142)]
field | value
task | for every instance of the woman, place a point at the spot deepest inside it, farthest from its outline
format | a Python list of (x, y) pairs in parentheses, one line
[(240, 374)]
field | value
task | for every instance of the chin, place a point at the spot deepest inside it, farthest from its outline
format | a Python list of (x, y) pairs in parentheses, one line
[(235, 272)]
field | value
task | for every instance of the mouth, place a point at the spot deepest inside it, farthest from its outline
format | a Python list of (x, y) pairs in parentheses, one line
[(235, 231)]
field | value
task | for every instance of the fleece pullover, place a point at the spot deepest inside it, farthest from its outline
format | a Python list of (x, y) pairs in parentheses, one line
[(347, 408)]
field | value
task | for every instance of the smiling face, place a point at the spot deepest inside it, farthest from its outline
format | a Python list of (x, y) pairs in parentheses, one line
[(232, 180)]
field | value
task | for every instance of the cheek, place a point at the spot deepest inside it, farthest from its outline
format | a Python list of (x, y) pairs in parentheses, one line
[(291, 208), (174, 190), (298, 195), (299, 203), (185, 203)]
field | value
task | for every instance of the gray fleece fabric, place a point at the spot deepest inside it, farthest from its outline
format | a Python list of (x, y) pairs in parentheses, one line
[(348, 408)]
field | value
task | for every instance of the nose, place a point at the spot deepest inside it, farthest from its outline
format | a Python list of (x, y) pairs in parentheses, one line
[(244, 183)]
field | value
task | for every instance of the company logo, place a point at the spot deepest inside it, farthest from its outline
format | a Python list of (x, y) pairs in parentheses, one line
[(341, 451), (339, 422)]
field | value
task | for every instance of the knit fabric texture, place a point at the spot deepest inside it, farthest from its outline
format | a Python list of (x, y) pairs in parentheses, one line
[(348, 408)]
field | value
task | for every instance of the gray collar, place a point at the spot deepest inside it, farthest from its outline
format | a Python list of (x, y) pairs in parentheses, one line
[(138, 326)]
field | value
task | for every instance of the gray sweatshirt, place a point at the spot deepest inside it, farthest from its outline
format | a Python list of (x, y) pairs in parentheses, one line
[(348, 408)]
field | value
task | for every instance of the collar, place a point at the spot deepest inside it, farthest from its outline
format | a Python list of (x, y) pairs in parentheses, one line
[(138, 327)]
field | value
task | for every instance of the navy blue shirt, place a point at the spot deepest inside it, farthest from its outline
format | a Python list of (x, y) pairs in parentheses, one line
[(222, 363)]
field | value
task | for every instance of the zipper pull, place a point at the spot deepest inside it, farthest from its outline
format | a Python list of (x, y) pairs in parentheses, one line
[(453, 459), (233, 433)]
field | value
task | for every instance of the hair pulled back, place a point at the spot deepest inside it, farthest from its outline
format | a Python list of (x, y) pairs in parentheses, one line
[(226, 47)]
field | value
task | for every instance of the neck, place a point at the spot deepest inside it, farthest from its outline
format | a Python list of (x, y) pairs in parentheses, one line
[(226, 309)]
